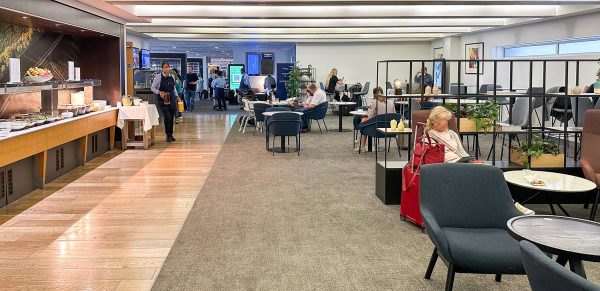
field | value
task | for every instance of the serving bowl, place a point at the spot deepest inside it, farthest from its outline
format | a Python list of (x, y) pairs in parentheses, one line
[(37, 79)]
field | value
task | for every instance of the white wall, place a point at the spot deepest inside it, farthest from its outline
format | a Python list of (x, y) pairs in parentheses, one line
[(563, 28), (139, 42), (357, 62)]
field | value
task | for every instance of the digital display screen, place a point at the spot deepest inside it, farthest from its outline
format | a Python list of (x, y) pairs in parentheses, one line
[(145, 59), (235, 76), (136, 58), (253, 62), (438, 73)]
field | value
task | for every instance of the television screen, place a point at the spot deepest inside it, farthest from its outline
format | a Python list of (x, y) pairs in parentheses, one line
[(235, 76), (136, 58), (438, 73), (145, 59), (253, 62)]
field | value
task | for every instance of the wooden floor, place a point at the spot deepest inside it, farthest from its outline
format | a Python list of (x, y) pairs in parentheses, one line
[(109, 225)]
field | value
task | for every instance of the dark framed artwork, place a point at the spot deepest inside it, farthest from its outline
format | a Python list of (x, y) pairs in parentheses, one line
[(474, 54)]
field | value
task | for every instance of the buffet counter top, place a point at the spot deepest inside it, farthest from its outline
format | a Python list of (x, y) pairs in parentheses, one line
[(25, 143)]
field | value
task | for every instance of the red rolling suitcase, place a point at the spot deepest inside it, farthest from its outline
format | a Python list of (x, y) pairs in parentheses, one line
[(424, 153)]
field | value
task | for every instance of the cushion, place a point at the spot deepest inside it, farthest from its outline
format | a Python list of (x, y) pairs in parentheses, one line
[(484, 250)]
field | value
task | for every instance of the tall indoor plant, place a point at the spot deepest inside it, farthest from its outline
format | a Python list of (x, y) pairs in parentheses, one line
[(295, 85)]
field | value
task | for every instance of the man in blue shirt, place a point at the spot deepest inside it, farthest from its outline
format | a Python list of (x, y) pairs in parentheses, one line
[(218, 85), (245, 82)]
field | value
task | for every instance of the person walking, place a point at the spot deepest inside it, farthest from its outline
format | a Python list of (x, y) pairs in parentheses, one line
[(163, 86), (218, 85), (191, 81), (245, 81)]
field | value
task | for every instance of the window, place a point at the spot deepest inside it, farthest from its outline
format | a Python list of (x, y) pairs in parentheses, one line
[(560, 47), (530, 50), (579, 47)]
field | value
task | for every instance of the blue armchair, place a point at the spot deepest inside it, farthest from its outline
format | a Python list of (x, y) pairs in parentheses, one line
[(369, 127), (272, 109), (318, 113), (285, 124), (465, 208), (259, 109), (545, 274)]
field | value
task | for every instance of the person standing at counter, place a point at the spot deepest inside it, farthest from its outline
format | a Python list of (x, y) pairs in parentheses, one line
[(245, 82), (164, 86), (269, 83), (191, 81), (218, 85)]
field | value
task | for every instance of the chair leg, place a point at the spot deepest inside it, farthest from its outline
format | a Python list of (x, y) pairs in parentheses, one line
[(255, 126), (319, 124), (595, 206), (273, 147), (498, 277), (325, 125), (298, 144), (450, 277), (431, 265), (242, 122)]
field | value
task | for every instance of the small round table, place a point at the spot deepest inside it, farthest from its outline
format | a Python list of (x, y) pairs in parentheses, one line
[(572, 239), (554, 182), (340, 111), (282, 148)]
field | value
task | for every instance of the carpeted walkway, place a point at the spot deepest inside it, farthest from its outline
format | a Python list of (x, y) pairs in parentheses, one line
[(312, 221)]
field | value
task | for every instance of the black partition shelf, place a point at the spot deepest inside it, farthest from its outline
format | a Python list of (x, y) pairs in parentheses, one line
[(502, 84)]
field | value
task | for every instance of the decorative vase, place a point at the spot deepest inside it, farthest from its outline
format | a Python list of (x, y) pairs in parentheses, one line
[(427, 90), (400, 126), (393, 124), (435, 90), (576, 90), (126, 100)]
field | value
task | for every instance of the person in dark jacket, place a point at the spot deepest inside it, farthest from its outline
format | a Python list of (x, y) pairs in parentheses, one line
[(166, 100)]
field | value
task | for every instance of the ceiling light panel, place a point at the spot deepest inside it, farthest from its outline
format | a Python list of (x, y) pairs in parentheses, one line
[(452, 22), (298, 36), (354, 11), (220, 30)]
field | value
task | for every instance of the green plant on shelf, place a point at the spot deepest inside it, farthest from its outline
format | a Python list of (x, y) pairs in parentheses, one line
[(295, 85), (538, 147), (484, 114)]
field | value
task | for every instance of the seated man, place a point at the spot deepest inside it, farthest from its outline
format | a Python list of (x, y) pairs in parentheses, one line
[(316, 96)]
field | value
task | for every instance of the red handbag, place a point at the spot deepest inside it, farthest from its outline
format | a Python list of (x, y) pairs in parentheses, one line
[(424, 153)]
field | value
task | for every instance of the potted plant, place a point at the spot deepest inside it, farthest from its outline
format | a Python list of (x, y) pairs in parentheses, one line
[(479, 117), (295, 84), (544, 153)]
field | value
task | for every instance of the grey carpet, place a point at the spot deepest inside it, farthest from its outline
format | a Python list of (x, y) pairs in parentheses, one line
[(303, 222)]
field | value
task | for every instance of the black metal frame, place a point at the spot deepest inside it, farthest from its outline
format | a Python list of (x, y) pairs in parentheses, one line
[(530, 130)]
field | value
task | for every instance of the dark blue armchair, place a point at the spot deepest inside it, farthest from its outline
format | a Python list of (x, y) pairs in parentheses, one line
[(545, 274), (317, 113), (272, 109), (369, 127), (285, 124), (465, 208), (259, 109)]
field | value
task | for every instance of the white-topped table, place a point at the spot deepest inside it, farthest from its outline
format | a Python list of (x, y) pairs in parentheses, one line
[(389, 131), (359, 113), (149, 118), (341, 105), (271, 113), (554, 182)]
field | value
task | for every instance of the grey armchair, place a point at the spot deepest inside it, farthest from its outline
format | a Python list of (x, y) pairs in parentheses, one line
[(465, 208), (545, 274)]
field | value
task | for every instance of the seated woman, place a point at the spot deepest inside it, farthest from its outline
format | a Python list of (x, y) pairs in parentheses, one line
[(437, 126), (380, 105)]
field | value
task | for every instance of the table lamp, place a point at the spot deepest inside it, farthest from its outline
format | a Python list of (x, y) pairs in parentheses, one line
[(397, 87)]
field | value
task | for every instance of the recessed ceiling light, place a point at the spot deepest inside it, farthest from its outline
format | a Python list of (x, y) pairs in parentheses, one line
[(216, 47), (187, 51), (24, 17), (174, 47), (83, 30)]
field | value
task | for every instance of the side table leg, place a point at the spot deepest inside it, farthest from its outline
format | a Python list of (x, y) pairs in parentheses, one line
[(124, 132), (144, 136), (340, 122), (577, 267)]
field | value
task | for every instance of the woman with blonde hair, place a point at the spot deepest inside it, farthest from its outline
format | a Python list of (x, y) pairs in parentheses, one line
[(332, 82), (380, 105), (437, 126)]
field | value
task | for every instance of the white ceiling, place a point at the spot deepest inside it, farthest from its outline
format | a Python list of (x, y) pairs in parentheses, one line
[(331, 20)]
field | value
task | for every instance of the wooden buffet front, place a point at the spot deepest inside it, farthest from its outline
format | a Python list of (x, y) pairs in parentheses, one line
[(37, 141)]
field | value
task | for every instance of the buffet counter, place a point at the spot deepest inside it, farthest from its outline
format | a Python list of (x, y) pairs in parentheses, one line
[(37, 141)]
